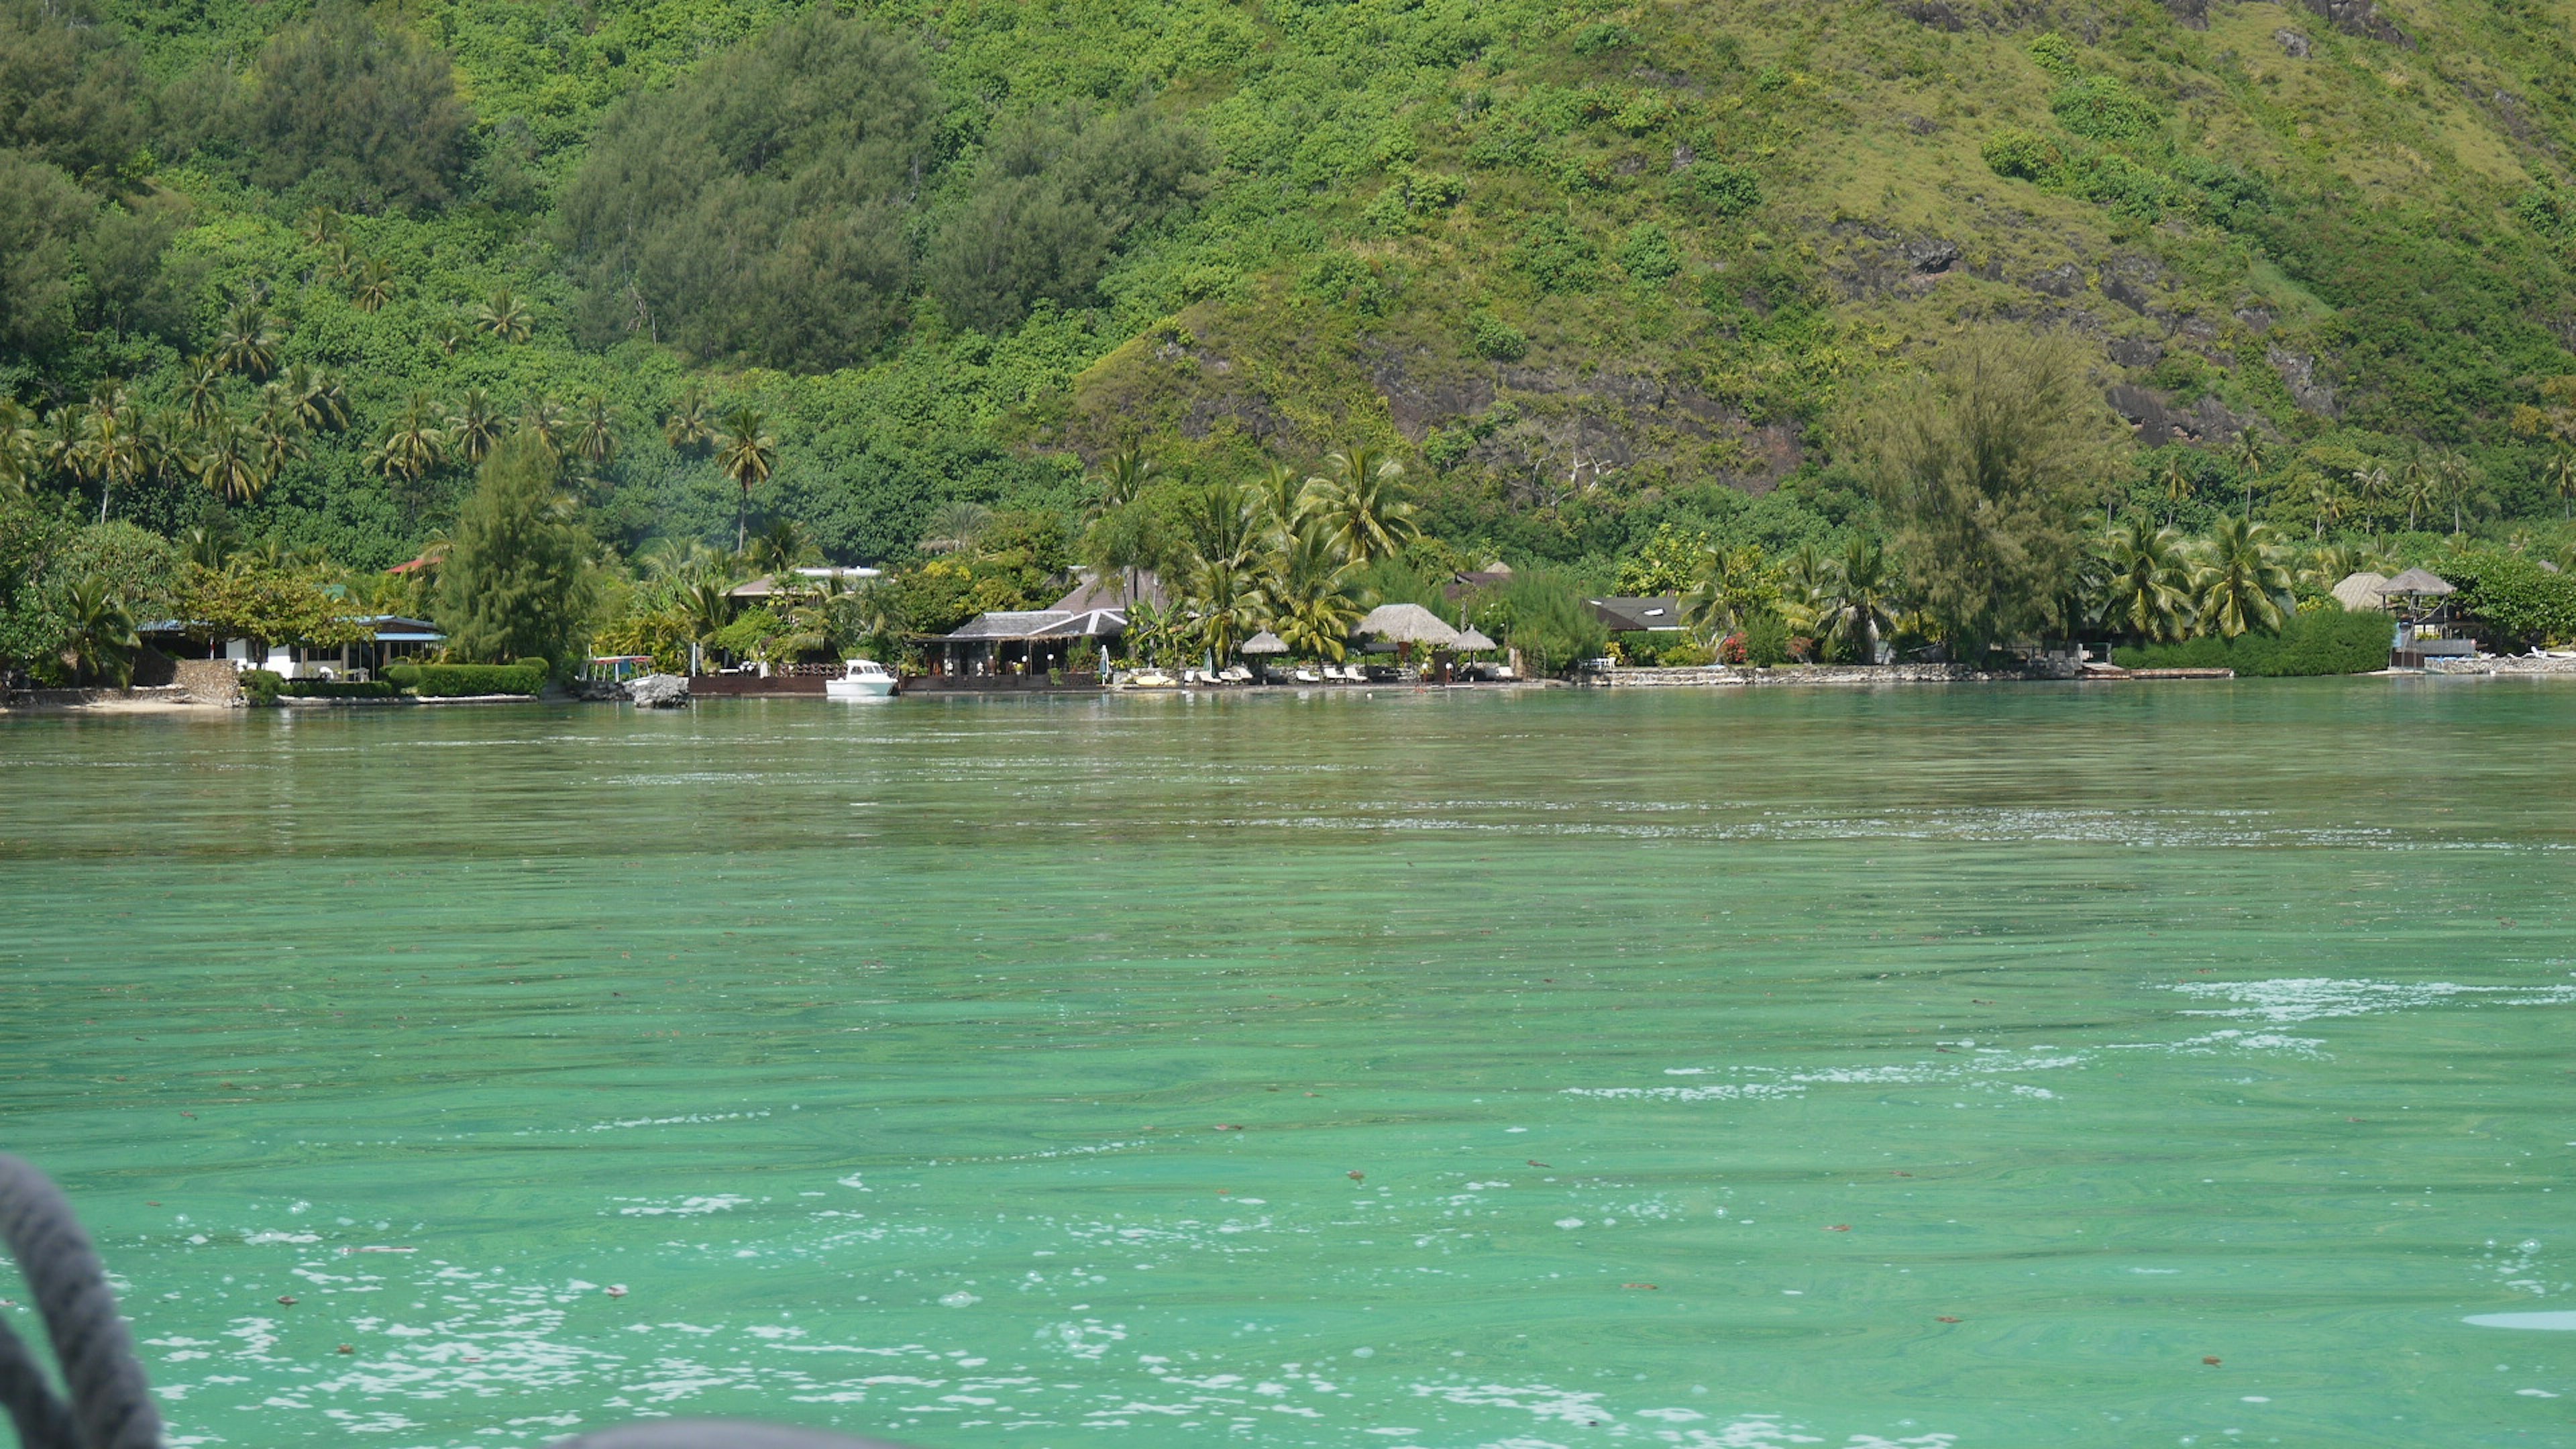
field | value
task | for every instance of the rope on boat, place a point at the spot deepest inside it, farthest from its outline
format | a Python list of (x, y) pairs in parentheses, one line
[(110, 1404)]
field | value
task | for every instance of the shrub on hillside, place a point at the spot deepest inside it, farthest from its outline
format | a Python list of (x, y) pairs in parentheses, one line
[(260, 686), (2327, 641)]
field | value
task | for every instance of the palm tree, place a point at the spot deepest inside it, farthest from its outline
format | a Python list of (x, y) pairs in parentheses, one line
[(322, 226), (100, 641), (205, 547), (957, 527), (2249, 461), (747, 454), (1733, 585), (542, 418), (2244, 582), (2459, 483), (1225, 525), (2372, 485), (227, 460), (373, 286), (1307, 598), (1280, 495), (2145, 581), (504, 316), (474, 424), (2560, 474), (1225, 600), (320, 404), (112, 445), (1120, 481), (594, 432), (247, 344), (21, 444), (1360, 504), (778, 548), (281, 432), (2419, 483), (411, 443), (2178, 483), (705, 608), (201, 392), (685, 426), (1858, 605), (2327, 500), (1805, 577)]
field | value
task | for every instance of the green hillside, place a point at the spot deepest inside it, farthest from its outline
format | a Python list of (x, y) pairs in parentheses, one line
[(1590, 271)]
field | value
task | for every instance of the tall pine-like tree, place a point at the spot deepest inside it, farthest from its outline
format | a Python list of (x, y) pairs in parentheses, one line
[(517, 582)]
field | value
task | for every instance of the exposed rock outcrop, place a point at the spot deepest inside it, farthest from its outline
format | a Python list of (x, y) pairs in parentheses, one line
[(659, 691)]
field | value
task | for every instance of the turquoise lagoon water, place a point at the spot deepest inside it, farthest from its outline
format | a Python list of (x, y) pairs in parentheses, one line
[(1930, 1067)]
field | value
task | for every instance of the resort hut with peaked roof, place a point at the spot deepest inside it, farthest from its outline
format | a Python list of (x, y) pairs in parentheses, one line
[(1406, 625), (2418, 584), (2360, 593)]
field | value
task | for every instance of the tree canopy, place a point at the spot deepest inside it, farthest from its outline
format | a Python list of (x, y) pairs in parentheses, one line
[(343, 110), (516, 583), (755, 210)]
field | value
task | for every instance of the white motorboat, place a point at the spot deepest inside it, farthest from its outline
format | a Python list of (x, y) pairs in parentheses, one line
[(861, 679)]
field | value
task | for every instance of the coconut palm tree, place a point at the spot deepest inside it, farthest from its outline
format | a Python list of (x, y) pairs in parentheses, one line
[(2560, 474), (322, 226), (1280, 493), (228, 461), (320, 404), (1858, 605), (372, 286), (1120, 480), (1225, 525), (504, 316), (747, 454), (2419, 483), (780, 547), (474, 424), (1359, 502), (1732, 586), (2459, 485), (2177, 482), (594, 431), (2372, 485), (21, 451), (281, 432), (1306, 596), (2145, 581), (1224, 598), (112, 444), (2243, 581), (705, 608), (2250, 456), (542, 418), (201, 391), (412, 442), (247, 342), (1803, 579), (2327, 501), (684, 427), (99, 642), (957, 527)]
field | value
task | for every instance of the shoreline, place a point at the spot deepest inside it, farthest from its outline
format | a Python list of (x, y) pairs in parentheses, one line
[(175, 700)]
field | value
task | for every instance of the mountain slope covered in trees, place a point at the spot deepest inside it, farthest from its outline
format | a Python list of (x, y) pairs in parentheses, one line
[(1591, 269)]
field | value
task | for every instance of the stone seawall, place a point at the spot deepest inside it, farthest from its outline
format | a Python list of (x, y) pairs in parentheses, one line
[(2502, 664), (208, 681), (1709, 675)]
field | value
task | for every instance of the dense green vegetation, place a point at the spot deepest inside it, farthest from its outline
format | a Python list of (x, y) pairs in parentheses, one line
[(1601, 277)]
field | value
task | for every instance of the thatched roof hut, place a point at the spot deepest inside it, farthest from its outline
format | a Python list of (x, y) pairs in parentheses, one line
[(2359, 593), (2418, 583), (1265, 642), (1406, 624), (1473, 641)]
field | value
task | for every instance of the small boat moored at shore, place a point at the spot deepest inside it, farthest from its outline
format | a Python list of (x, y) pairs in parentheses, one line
[(861, 679)]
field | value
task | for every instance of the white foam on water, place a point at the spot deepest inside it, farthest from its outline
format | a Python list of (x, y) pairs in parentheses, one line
[(2558, 1321)]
